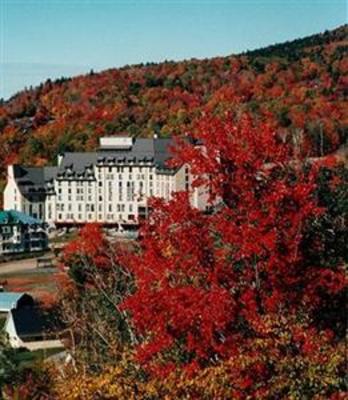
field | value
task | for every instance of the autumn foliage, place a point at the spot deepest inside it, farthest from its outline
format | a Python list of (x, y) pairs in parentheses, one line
[(246, 300), (243, 301), (206, 282), (300, 85)]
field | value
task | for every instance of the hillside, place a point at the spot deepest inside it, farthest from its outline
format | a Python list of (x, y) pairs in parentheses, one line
[(301, 85)]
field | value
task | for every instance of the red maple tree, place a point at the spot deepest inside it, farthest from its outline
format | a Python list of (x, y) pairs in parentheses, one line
[(206, 282)]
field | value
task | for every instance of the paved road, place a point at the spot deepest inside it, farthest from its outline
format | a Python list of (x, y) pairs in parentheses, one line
[(18, 266)]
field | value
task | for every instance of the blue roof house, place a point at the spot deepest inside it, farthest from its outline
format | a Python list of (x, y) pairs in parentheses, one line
[(12, 300), (20, 232)]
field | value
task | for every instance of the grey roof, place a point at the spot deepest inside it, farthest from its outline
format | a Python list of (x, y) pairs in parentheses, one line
[(154, 151), (33, 179), (162, 148), (77, 161)]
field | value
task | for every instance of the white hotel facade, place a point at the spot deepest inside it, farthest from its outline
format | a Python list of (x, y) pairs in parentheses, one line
[(110, 186)]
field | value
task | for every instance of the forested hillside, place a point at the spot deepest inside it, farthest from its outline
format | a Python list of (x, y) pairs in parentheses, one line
[(245, 302), (301, 85)]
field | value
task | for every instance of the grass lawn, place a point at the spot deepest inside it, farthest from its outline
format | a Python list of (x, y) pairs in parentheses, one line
[(67, 237), (27, 358), (2, 320)]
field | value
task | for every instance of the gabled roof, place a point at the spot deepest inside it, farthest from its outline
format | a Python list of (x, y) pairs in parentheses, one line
[(13, 217), (10, 300), (33, 179), (30, 321), (157, 151)]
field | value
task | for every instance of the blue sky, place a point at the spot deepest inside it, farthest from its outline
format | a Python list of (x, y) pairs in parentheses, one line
[(42, 39)]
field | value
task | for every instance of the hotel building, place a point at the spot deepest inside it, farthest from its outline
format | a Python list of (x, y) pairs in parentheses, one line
[(111, 186)]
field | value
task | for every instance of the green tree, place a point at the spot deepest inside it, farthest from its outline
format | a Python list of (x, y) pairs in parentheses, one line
[(8, 362)]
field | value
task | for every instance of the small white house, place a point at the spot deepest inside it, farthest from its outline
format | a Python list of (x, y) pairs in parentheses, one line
[(29, 328)]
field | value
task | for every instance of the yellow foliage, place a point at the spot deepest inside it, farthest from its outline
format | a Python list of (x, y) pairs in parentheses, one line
[(290, 373)]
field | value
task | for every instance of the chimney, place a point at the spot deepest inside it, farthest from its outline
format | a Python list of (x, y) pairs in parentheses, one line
[(60, 159)]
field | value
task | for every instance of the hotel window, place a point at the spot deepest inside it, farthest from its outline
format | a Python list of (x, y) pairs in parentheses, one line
[(128, 191), (141, 188), (120, 191)]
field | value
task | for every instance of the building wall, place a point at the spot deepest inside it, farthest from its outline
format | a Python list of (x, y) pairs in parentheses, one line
[(16, 342), (115, 194), (13, 199), (10, 329)]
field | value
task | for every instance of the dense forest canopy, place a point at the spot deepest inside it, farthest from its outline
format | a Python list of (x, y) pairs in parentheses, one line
[(301, 85)]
